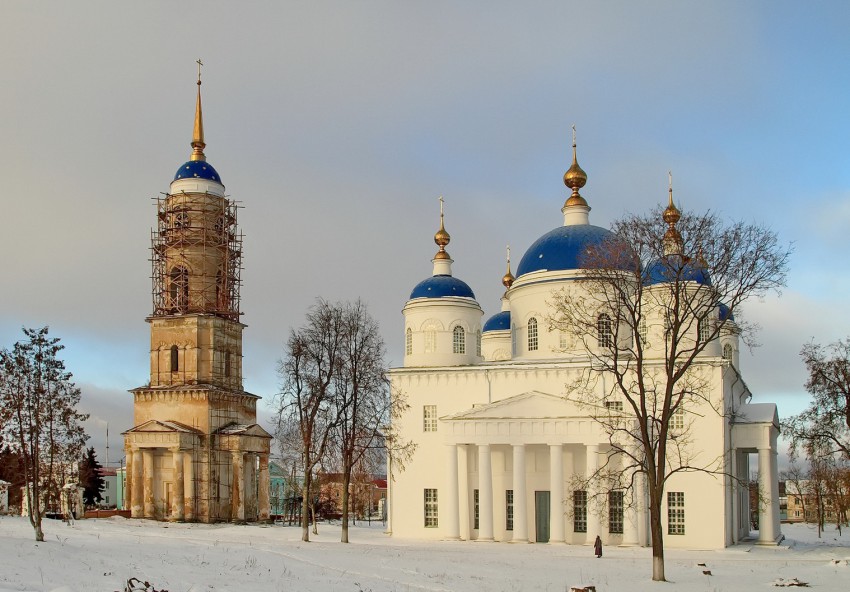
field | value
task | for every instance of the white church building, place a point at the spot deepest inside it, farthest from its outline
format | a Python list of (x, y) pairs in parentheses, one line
[(501, 447)]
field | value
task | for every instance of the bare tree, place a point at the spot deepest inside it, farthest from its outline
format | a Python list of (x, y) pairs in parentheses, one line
[(674, 281), (42, 420), (823, 428), (363, 396), (306, 404)]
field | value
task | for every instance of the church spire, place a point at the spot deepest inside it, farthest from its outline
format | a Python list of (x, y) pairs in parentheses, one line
[(508, 278), (672, 238), (442, 261), (575, 209), (198, 132)]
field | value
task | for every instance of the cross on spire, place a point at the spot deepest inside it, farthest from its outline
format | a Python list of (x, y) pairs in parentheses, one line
[(200, 63)]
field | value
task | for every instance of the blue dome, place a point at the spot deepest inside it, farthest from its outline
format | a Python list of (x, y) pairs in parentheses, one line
[(563, 248), (671, 268), (498, 322), (197, 169), (723, 312), (439, 286)]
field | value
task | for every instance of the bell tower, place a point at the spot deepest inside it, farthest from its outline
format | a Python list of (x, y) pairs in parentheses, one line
[(200, 453)]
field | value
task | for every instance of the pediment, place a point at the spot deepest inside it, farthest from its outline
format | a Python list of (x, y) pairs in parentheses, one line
[(529, 405), (154, 425), (244, 430)]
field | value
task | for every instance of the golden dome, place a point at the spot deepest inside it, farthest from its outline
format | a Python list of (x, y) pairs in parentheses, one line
[(673, 244), (575, 178), (442, 237), (508, 278)]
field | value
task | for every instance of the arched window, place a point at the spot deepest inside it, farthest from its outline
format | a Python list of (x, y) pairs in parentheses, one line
[(458, 340), (532, 334), (727, 352), (604, 337), (408, 341), (478, 343), (181, 219), (430, 340), (178, 289), (703, 330), (175, 361)]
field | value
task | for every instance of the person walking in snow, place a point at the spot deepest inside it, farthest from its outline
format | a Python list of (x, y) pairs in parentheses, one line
[(597, 547)]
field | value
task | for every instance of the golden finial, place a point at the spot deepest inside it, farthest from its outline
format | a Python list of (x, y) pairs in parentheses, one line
[(198, 133), (442, 238), (508, 278), (575, 178), (672, 238)]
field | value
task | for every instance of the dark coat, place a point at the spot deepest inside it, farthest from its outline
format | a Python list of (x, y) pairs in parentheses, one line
[(597, 547)]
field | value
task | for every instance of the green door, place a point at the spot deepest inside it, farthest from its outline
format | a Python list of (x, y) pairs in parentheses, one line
[(541, 516)]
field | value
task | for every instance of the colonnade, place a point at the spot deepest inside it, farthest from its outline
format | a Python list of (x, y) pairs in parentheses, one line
[(141, 496), (560, 500)]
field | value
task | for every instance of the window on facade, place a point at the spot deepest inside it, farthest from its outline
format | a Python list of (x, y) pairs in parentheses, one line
[(677, 420), (458, 340), (562, 340), (703, 330), (727, 352), (614, 405), (227, 364), (675, 512), (532, 334), (478, 343), (175, 361), (475, 509), (180, 220), (178, 288), (429, 418), (408, 341), (579, 511), (430, 341), (430, 508), (509, 509), (604, 337), (643, 331), (615, 512)]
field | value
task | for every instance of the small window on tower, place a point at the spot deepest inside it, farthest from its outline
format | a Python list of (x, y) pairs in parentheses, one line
[(227, 364), (175, 362)]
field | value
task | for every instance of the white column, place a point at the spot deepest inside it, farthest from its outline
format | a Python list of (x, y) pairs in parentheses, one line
[(188, 486), (768, 497), (592, 455), (485, 494), (452, 497), (148, 495), (388, 502), (520, 534), (264, 505), (630, 501), (237, 502), (556, 495), (177, 504), (641, 506), (136, 483), (463, 487)]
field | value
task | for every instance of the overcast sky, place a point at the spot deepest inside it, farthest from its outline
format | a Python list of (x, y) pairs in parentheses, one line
[(338, 124)]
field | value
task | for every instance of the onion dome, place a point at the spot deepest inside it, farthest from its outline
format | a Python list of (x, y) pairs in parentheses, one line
[(565, 247), (575, 178), (673, 268), (197, 166), (501, 321), (673, 244), (508, 278), (723, 312), (441, 283)]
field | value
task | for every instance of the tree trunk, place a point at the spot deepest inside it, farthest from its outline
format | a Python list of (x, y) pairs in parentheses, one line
[(346, 481), (657, 532), (315, 522), (305, 510)]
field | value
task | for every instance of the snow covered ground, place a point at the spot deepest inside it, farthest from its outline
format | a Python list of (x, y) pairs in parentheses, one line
[(101, 555)]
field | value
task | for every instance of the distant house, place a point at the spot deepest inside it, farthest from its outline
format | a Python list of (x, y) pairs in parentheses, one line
[(4, 496), (110, 495)]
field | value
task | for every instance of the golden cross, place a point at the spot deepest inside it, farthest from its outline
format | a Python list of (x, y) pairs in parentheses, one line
[(200, 63), (441, 206), (574, 134)]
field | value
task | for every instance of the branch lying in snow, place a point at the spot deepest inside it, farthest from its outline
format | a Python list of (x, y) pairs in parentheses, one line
[(136, 585), (789, 583)]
